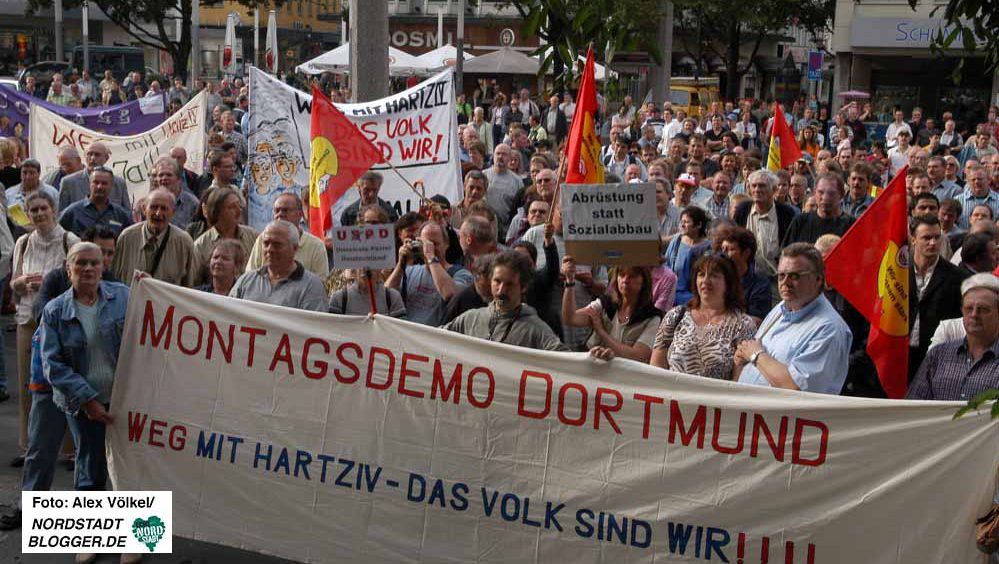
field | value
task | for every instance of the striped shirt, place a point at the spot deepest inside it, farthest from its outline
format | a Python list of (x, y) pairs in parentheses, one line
[(949, 373), (969, 201)]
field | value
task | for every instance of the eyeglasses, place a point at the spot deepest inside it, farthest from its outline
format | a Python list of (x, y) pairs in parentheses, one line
[(792, 276), (537, 212)]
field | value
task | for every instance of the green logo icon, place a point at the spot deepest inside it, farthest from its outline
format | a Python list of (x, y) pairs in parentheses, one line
[(149, 531)]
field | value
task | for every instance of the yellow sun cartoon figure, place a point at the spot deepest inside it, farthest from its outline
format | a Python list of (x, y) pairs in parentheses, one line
[(324, 165), (893, 289)]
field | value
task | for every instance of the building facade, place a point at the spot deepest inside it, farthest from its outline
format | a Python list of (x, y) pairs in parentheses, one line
[(882, 47)]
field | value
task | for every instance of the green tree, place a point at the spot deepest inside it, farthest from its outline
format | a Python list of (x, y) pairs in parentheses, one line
[(964, 21), (722, 28), (150, 22), (568, 26)]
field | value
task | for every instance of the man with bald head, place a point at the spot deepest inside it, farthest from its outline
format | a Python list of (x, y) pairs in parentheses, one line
[(76, 186), (167, 173), (430, 280), (155, 246), (504, 186), (69, 162), (188, 178)]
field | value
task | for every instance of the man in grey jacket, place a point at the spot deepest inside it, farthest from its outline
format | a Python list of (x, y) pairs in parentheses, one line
[(76, 186), (507, 319)]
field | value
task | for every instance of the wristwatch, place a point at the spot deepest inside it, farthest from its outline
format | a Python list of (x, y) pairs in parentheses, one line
[(756, 355), (434, 260)]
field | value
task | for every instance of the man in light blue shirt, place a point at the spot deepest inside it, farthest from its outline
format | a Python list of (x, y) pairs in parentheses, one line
[(803, 344)]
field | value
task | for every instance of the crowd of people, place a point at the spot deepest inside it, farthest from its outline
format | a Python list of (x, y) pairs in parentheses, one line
[(739, 292)]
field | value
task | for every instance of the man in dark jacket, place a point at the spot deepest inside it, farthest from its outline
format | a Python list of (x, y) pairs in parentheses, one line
[(760, 217), (368, 187), (934, 288)]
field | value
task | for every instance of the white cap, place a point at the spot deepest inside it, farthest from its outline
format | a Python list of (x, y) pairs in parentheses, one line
[(982, 280), (687, 178)]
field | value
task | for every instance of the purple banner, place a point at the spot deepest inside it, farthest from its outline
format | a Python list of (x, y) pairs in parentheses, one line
[(129, 118)]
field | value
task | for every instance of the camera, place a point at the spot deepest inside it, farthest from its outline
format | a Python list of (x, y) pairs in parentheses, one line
[(416, 246)]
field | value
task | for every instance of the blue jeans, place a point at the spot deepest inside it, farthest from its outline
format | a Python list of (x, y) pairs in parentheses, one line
[(91, 460), (46, 428)]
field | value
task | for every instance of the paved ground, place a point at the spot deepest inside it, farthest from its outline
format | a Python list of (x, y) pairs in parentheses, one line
[(184, 551)]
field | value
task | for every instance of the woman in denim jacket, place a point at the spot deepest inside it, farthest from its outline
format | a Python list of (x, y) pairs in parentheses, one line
[(81, 336)]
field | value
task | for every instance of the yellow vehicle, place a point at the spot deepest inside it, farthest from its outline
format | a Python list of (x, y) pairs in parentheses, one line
[(693, 95)]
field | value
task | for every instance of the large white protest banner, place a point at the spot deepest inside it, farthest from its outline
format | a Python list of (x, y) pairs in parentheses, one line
[(326, 438), (132, 155), (416, 131)]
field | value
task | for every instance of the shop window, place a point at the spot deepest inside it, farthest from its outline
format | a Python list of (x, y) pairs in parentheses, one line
[(887, 98)]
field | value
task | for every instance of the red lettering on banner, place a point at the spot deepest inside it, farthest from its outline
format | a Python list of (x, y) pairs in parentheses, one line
[(581, 419), (214, 335), (149, 327), (740, 440), (186, 321), (252, 332), (318, 370), (777, 447), (339, 356), (522, 395), (156, 432), (490, 390), (283, 354), (369, 381), (696, 426), (607, 410), (178, 437), (78, 139), (453, 387), (370, 129), (136, 425), (799, 432), (647, 418), (406, 372)]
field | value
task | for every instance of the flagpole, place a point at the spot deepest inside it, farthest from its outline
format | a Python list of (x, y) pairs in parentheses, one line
[(371, 291), (558, 185), (422, 197), (256, 37)]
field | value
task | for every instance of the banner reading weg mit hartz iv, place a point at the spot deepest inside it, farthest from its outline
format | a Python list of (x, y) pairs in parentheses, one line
[(416, 130), (325, 438), (132, 155)]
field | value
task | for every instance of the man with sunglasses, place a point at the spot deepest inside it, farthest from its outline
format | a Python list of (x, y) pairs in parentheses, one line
[(802, 344)]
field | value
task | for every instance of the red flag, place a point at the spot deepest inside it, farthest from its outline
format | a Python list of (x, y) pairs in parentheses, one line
[(870, 268), (340, 155), (583, 146), (784, 149)]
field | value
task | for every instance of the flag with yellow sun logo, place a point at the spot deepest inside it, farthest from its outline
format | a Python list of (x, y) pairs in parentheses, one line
[(340, 155), (870, 268), (583, 145)]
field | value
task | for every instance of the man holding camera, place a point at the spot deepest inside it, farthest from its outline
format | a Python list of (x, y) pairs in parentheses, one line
[(425, 278)]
